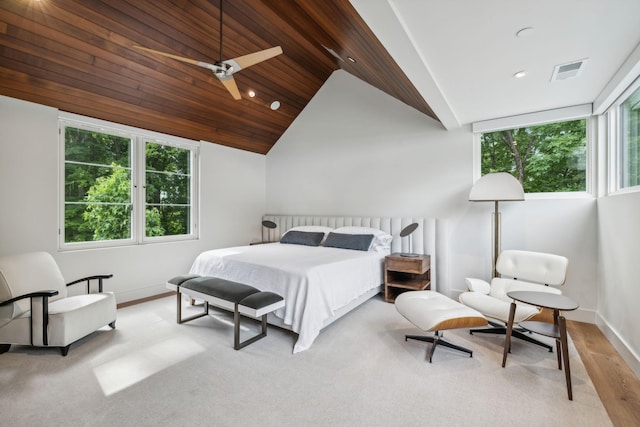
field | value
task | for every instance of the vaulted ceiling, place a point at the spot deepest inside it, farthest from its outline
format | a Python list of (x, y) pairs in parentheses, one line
[(78, 56)]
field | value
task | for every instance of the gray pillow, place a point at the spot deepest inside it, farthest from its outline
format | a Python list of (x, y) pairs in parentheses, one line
[(358, 242), (307, 238)]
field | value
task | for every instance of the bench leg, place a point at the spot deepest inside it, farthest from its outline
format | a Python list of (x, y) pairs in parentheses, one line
[(179, 318), (236, 335)]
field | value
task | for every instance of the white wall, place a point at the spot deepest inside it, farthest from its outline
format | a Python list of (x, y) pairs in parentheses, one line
[(356, 151), (232, 202), (619, 274)]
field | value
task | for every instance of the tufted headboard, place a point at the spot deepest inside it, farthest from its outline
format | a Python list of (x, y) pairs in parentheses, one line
[(423, 238)]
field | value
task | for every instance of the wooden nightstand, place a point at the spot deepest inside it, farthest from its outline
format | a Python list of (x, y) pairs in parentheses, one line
[(403, 273)]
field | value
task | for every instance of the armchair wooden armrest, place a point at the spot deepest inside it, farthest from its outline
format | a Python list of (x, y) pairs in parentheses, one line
[(38, 294), (88, 279), (45, 295)]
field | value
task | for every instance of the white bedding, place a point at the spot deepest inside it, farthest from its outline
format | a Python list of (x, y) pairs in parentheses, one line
[(315, 281)]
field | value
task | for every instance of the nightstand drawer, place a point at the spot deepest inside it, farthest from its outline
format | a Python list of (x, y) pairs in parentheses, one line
[(416, 265)]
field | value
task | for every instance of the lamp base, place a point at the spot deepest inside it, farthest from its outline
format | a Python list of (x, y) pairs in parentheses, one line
[(409, 255)]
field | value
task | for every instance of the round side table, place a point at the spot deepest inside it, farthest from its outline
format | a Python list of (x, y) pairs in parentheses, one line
[(557, 329)]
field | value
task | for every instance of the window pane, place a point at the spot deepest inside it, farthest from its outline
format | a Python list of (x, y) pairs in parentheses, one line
[(87, 146), (545, 158), (630, 153), (168, 184), (97, 191), (165, 188), (80, 180), (166, 158), (167, 220), (75, 229), (108, 222)]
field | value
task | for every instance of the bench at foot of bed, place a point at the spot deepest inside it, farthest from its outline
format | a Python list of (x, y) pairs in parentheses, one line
[(242, 300)]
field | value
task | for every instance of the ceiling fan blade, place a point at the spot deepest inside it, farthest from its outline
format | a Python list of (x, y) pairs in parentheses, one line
[(179, 58), (253, 58), (230, 83)]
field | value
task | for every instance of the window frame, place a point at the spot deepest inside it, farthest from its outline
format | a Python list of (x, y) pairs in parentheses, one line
[(143, 195), (139, 138), (541, 118), (613, 116)]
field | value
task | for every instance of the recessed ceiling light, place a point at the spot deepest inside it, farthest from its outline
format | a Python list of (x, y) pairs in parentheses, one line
[(351, 59), (520, 74), (525, 32), (275, 105), (252, 94)]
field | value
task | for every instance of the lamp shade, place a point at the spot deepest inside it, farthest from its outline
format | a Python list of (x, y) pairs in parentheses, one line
[(500, 186), (407, 232), (408, 229), (269, 224)]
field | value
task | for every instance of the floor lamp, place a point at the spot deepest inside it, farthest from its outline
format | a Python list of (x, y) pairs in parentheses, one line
[(496, 187)]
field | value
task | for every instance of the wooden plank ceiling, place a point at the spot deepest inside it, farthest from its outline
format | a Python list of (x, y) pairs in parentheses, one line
[(78, 56)]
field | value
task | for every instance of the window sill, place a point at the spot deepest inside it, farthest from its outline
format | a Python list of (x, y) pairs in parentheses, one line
[(559, 196)]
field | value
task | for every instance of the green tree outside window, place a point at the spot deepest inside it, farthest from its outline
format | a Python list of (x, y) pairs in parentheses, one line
[(544, 158), (99, 193), (630, 141), (91, 160), (168, 184)]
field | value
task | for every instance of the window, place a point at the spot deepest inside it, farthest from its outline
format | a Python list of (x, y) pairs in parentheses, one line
[(167, 189), (122, 187), (546, 158), (630, 141)]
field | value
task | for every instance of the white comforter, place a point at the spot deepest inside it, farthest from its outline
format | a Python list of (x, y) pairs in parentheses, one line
[(315, 281)]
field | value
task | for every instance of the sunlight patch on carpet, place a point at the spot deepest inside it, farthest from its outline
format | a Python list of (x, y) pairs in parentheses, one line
[(118, 374)]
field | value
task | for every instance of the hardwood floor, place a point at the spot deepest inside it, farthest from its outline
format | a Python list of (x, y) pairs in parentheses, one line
[(615, 382)]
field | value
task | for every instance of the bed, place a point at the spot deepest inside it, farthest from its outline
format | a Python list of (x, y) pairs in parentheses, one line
[(320, 281)]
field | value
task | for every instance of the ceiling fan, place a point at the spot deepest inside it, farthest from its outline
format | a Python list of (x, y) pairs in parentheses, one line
[(224, 70)]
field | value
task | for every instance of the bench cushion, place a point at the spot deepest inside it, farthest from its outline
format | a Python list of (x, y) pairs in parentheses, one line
[(220, 288), (260, 300), (179, 280), (260, 303)]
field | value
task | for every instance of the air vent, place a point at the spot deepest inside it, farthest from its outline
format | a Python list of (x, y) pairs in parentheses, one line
[(568, 71)]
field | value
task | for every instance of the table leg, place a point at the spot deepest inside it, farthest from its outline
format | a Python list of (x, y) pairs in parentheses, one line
[(562, 323), (507, 335), (556, 313)]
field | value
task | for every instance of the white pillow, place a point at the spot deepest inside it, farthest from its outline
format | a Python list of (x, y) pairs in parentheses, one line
[(381, 240)]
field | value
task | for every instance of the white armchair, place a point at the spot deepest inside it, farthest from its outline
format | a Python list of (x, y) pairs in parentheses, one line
[(35, 309), (520, 271)]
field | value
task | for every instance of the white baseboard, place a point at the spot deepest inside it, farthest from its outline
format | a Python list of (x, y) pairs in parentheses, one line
[(632, 359)]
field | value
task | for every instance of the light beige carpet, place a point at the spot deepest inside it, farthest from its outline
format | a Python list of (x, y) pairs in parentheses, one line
[(151, 371)]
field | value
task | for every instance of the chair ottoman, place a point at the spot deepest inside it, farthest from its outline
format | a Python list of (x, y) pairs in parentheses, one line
[(434, 312)]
